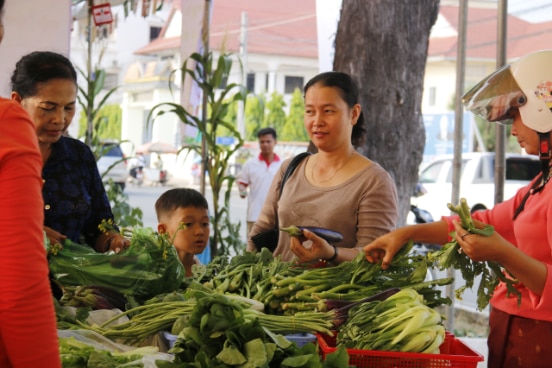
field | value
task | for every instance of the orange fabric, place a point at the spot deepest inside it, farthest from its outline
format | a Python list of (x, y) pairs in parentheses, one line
[(28, 334)]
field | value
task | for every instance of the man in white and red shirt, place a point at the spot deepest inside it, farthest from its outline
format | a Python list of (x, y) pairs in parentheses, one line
[(257, 174)]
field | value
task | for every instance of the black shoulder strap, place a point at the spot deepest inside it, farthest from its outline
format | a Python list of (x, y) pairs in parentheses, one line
[(291, 168), (534, 189)]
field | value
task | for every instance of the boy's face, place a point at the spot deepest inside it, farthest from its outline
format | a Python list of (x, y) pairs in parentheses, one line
[(193, 235)]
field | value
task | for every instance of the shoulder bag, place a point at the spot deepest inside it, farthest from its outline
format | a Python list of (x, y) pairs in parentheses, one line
[(269, 239)]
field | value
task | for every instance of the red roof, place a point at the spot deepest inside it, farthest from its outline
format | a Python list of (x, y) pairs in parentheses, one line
[(283, 27), (481, 35), (288, 27)]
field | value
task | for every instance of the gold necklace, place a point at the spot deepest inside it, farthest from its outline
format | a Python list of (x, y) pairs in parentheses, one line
[(331, 177)]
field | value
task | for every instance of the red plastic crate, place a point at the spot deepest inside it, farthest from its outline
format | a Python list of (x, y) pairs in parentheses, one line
[(453, 354)]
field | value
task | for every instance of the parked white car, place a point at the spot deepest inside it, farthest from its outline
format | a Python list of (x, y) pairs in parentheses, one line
[(476, 180), (112, 164)]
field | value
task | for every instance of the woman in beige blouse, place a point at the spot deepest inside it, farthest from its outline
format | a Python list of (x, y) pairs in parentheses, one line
[(337, 187)]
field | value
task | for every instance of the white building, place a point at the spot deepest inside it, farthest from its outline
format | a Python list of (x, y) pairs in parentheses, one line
[(280, 53)]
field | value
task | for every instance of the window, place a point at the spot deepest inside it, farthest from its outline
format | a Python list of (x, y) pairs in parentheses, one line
[(154, 32), (522, 168), (292, 83), (450, 170), (250, 82), (431, 173)]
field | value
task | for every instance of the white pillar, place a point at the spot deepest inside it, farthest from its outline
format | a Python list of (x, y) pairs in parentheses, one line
[(32, 25), (271, 80)]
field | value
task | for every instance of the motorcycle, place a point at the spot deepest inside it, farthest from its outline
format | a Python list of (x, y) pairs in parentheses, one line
[(136, 176)]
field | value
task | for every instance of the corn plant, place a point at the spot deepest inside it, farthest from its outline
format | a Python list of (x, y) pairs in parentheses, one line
[(209, 77)]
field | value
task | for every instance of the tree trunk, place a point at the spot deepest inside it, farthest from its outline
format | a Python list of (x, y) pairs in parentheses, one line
[(383, 44)]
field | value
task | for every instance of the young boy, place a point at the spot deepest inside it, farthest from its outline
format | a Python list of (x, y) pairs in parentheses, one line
[(183, 214)]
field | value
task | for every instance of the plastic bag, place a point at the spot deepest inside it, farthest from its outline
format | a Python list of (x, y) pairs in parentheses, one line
[(150, 266), (149, 354)]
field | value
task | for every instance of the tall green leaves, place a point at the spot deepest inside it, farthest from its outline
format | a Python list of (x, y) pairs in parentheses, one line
[(87, 99), (210, 76)]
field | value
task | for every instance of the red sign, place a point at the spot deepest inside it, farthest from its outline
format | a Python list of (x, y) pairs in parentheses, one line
[(102, 14)]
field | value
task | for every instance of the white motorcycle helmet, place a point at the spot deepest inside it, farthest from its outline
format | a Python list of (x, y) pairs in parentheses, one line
[(525, 85)]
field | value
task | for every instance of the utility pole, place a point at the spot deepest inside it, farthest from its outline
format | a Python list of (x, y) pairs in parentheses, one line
[(89, 122), (500, 131), (205, 38), (458, 129), (243, 56)]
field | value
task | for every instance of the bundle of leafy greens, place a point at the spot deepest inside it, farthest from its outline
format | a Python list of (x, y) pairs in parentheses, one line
[(291, 287), (491, 272), (148, 267), (218, 334)]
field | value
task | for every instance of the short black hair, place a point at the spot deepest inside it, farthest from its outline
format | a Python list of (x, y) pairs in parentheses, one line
[(1, 5), (179, 198), (349, 92), (40, 67), (266, 131)]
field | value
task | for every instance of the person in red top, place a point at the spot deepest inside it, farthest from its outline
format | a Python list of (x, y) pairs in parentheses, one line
[(519, 336), (28, 334), (257, 174)]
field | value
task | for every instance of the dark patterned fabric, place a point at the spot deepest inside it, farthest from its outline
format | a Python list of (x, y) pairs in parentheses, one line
[(517, 342), (75, 201)]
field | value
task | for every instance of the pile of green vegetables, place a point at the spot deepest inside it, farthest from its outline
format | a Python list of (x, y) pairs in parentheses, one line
[(288, 288), (148, 267), (173, 315), (402, 322), (219, 333)]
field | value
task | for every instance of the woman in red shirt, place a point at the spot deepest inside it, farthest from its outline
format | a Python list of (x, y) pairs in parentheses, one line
[(28, 334), (519, 335)]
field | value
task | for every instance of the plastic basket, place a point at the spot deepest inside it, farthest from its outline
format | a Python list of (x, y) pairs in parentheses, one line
[(453, 354), (169, 338), (301, 339)]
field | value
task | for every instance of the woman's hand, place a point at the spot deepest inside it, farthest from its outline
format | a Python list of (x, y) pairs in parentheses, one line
[(384, 248), (113, 242), (529, 271), (319, 248), (478, 247), (53, 236)]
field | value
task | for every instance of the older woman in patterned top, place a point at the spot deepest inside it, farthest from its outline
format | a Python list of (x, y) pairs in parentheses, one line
[(75, 202)]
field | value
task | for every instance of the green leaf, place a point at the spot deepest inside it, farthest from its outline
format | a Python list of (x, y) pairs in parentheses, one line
[(297, 361), (231, 355), (256, 354), (98, 81)]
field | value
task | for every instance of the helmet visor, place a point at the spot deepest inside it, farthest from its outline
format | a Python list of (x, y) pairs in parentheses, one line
[(496, 97)]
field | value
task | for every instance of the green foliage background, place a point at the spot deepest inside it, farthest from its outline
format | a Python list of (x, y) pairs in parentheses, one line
[(107, 124), (262, 113)]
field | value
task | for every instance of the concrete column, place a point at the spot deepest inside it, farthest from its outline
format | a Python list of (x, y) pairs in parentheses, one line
[(271, 81), (32, 25)]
